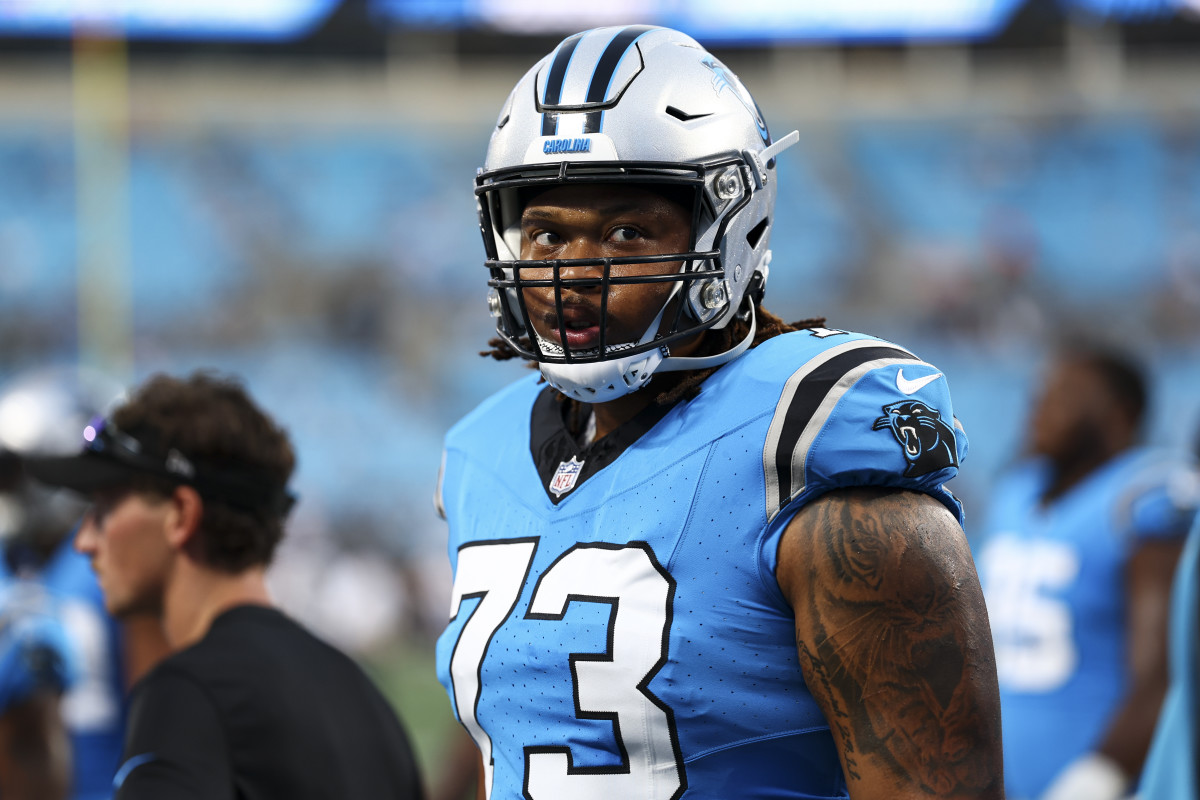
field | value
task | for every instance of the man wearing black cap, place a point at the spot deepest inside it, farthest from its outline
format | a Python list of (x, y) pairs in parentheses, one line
[(188, 482)]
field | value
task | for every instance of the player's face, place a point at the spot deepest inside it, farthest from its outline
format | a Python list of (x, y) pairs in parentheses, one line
[(1071, 412), (602, 222), (123, 534)]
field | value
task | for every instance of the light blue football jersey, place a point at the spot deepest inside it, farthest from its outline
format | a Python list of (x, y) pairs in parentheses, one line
[(616, 627), (34, 651), (1173, 765), (1054, 580), (93, 706)]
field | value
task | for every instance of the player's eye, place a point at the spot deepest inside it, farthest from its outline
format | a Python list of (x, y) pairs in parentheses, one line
[(625, 233), (545, 238)]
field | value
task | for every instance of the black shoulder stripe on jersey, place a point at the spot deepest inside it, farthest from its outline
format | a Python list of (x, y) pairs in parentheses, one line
[(554, 84), (803, 396), (605, 69)]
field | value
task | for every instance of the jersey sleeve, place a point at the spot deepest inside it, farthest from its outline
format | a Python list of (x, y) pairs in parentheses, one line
[(1160, 500), (175, 744), (865, 413)]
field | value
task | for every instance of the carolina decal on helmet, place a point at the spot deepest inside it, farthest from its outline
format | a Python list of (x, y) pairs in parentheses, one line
[(722, 79), (598, 87), (927, 441), (567, 146)]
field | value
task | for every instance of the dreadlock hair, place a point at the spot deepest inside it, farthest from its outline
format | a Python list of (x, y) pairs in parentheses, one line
[(769, 326), (688, 385)]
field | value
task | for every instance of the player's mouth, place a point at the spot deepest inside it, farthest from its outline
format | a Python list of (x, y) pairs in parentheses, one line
[(580, 324)]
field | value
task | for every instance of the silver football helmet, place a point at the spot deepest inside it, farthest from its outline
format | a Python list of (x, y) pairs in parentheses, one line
[(43, 412), (649, 106)]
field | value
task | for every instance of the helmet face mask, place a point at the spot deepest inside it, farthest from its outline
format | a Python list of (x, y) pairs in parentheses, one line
[(637, 106), (698, 278)]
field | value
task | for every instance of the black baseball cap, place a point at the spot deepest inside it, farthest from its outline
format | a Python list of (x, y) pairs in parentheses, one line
[(112, 458)]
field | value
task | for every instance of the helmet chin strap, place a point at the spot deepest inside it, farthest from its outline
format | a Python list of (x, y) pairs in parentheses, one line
[(679, 363), (599, 382)]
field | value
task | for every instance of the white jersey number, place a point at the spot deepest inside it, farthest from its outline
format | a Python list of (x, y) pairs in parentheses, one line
[(1033, 628), (612, 684)]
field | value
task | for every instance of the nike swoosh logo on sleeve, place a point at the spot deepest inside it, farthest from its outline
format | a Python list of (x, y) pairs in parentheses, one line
[(908, 387)]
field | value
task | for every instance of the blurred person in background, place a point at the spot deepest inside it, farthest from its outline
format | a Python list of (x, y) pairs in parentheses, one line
[(36, 667), (41, 412), (714, 556), (1076, 558), (188, 486), (1173, 766)]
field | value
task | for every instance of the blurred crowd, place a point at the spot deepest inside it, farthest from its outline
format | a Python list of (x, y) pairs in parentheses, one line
[(350, 261)]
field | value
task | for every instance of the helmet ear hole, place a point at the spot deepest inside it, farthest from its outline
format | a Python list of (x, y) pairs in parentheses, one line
[(683, 116), (755, 234)]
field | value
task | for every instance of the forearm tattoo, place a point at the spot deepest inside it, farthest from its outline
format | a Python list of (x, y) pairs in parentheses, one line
[(894, 643)]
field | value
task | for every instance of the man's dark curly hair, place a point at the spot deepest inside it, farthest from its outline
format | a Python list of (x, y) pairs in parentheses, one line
[(212, 420)]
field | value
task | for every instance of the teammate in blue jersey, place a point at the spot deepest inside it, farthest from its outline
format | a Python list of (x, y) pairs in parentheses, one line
[(42, 411), (94, 708), (703, 554), (36, 667), (1076, 560), (1173, 766)]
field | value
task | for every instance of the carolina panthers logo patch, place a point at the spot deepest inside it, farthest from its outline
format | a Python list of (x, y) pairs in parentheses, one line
[(927, 441)]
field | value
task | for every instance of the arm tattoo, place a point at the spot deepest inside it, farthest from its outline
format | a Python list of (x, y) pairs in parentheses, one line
[(893, 639)]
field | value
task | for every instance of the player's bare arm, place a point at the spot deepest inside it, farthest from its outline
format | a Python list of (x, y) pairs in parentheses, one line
[(1127, 738), (894, 643)]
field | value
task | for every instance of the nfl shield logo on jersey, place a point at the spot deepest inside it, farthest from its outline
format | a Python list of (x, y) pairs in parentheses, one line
[(565, 476)]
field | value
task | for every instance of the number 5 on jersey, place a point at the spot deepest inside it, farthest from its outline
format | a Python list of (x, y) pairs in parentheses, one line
[(608, 685)]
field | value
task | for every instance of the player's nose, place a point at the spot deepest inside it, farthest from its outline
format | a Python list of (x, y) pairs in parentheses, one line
[(582, 248), (85, 537)]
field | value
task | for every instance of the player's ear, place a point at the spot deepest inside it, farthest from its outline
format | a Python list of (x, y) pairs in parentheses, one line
[(183, 520)]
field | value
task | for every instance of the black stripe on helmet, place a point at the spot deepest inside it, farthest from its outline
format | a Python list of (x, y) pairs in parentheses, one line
[(606, 67), (554, 84)]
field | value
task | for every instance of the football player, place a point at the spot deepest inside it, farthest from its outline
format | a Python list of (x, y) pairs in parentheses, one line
[(703, 553), (1076, 558), (1173, 764), (36, 667), (42, 412)]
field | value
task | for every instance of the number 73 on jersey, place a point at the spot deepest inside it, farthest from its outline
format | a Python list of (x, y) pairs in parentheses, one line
[(612, 685)]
